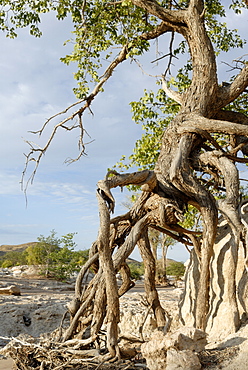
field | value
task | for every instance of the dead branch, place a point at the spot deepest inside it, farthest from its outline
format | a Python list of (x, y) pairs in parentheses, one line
[(213, 126), (230, 92), (171, 93)]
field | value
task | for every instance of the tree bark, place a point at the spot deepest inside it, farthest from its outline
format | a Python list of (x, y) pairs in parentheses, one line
[(150, 274)]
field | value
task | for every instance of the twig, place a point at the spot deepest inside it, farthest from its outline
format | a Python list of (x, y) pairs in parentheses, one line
[(142, 325), (63, 365), (62, 124), (170, 53)]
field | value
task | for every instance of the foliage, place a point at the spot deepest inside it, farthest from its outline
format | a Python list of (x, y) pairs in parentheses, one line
[(176, 269), (41, 253), (7, 263), (13, 258), (80, 257), (191, 218), (137, 270), (102, 26), (154, 112), (56, 256)]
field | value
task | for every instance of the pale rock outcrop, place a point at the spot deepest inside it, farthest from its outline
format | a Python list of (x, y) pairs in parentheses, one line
[(241, 360), (155, 351), (137, 320), (174, 351), (182, 360), (132, 323), (32, 315), (189, 338), (228, 291)]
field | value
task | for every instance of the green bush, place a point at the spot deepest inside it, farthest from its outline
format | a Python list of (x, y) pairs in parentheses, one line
[(137, 270), (13, 258), (57, 256), (7, 263), (176, 269), (80, 257)]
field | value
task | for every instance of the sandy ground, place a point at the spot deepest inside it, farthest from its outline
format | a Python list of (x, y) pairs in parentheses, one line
[(6, 364), (28, 287), (34, 287)]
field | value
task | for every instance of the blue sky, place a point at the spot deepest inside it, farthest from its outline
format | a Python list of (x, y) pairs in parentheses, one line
[(34, 86)]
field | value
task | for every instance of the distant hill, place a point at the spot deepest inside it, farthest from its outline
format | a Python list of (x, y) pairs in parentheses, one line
[(14, 248)]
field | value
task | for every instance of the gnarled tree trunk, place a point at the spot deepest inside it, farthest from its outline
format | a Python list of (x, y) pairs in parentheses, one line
[(187, 150)]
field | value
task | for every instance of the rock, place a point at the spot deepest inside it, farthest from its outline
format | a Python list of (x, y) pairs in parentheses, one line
[(171, 350), (32, 315), (238, 362), (4, 271), (132, 320), (155, 352), (30, 271), (128, 352), (11, 290), (182, 360), (133, 312), (228, 290), (187, 338)]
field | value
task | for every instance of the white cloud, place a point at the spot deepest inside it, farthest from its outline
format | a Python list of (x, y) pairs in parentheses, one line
[(9, 184)]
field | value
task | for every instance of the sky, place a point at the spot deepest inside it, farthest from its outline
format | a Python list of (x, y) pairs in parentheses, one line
[(34, 86)]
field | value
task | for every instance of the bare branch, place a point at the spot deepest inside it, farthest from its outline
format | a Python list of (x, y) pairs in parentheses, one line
[(213, 125), (41, 151), (237, 62), (159, 58), (171, 93), (59, 114), (169, 16), (171, 53), (229, 93)]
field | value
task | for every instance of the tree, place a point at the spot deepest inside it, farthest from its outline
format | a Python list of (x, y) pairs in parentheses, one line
[(136, 270), (41, 253), (56, 256), (198, 153)]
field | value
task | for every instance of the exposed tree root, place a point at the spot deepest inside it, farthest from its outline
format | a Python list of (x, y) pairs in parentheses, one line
[(47, 354)]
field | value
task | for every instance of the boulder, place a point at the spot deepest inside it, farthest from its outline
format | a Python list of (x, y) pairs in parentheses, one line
[(155, 351), (187, 338), (11, 290), (173, 351), (182, 360)]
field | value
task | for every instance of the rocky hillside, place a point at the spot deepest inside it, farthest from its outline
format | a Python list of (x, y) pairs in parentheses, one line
[(13, 248)]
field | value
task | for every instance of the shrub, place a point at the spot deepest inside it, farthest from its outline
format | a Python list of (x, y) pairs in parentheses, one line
[(137, 270), (176, 269), (7, 263), (13, 258)]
